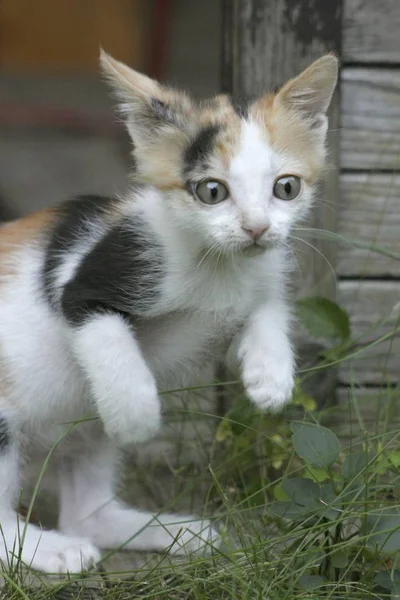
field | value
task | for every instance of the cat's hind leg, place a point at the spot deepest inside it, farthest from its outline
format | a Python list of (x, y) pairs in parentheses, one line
[(42, 550), (88, 508)]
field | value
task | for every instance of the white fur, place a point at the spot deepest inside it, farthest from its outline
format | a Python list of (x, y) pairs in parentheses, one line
[(251, 177), (267, 357), (123, 388)]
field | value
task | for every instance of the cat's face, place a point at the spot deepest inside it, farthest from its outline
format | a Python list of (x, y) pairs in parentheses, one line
[(237, 178)]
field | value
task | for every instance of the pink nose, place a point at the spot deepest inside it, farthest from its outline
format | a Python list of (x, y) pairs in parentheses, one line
[(256, 232)]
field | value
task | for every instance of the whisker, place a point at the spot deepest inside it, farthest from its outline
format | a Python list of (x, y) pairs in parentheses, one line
[(217, 260), (321, 254), (209, 252), (292, 252)]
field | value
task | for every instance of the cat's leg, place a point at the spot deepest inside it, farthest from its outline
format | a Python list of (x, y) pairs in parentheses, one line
[(88, 507), (48, 551), (124, 388), (265, 355)]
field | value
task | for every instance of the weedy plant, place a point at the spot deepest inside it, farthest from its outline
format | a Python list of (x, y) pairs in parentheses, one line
[(341, 511), (332, 513)]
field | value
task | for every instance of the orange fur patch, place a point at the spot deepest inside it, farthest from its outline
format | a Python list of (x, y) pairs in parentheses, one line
[(17, 234), (160, 160), (14, 236), (288, 133)]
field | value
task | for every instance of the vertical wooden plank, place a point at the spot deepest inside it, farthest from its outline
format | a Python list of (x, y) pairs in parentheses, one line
[(264, 43)]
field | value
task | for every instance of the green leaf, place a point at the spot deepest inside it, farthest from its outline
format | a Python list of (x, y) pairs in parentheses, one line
[(323, 318), (384, 530), (310, 582), (394, 458), (290, 510), (279, 494), (302, 491), (317, 445), (328, 493), (389, 581), (340, 559), (356, 463), (318, 475), (328, 502), (306, 494)]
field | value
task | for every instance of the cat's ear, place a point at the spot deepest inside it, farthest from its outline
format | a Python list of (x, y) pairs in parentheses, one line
[(128, 84), (144, 102), (310, 93)]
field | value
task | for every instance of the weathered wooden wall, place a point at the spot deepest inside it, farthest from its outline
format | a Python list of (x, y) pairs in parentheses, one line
[(369, 283)]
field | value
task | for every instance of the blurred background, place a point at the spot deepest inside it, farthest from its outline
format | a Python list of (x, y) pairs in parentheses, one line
[(59, 133)]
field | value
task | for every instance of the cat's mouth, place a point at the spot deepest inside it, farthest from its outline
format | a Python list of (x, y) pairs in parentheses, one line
[(254, 248)]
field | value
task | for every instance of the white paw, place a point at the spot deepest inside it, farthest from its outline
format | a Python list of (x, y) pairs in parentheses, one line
[(78, 556), (138, 419), (268, 382), (194, 535), (53, 552)]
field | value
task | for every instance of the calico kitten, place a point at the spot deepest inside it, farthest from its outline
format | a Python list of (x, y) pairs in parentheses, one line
[(104, 301)]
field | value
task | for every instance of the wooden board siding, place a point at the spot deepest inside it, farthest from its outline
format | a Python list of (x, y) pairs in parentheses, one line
[(371, 31), (369, 213), (369, 283), (370, 118), (374, 307), (376, 410)]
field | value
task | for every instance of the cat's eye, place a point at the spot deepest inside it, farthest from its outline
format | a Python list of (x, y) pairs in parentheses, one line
[(287, 187), (211, 192)]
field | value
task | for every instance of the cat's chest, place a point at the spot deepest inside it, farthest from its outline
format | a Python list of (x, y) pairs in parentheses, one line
[(186, 339), (226, 292), (198, 313)]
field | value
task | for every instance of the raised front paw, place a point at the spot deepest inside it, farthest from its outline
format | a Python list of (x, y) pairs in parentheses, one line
[(268, 381), (137, 418)]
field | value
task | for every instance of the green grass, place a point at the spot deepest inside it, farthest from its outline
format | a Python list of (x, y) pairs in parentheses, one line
[(263, 557)]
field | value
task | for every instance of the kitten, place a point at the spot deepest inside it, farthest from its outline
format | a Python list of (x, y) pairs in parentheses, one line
[(104, 301)]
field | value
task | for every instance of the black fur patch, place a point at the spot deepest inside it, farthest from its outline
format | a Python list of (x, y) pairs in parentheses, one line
[(4, 434), (75, 221), (200, 148), (118, 275)]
